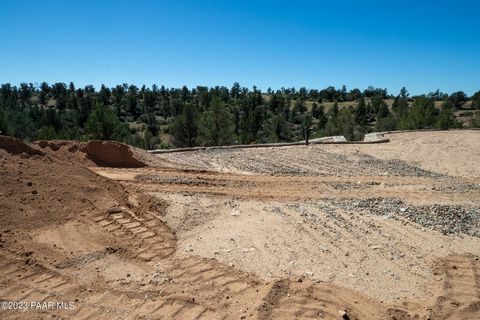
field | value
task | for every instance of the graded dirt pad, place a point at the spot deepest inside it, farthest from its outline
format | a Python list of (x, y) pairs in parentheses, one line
[(454, 153), (277, 233)]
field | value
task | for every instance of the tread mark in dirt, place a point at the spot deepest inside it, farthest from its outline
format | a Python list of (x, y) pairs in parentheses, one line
[(150, 236), (271, 301), (174, 308), (461, 290), (209, 275), (307, 300), (37, 284), (47, 285)]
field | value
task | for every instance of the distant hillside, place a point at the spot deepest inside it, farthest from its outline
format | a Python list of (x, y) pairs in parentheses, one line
[(159, 117)]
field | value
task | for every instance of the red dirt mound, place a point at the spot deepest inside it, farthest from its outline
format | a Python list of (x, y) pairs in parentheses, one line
[(15, 146), (111, 154), (65, 150), (56, 145), (38, 191), (100, 153)]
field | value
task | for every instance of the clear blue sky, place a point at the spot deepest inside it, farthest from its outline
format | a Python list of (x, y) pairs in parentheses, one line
[(423, 45)]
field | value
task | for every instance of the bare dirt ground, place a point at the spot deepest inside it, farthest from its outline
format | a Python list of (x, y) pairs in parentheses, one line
[(388, 231)]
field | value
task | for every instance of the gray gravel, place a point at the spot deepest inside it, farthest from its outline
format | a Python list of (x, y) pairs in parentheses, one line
[(306, 161), (447, 219)]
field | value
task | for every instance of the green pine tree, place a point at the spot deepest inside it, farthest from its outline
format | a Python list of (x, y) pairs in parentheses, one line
[(185, 128), (217, 124), (103, 124)]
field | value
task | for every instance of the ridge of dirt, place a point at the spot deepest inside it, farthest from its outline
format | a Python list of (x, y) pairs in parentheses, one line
[(16, 146), (111, 154), (95, 153)]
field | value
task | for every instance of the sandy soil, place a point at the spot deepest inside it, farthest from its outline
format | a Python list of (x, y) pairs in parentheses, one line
[(318, 232), (455, 153)]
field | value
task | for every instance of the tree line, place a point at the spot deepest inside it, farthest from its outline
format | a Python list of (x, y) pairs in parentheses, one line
[(159, 117)]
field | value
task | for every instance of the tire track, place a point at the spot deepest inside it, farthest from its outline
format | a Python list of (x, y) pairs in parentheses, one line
[(35, 283), (307, 300), (212, 276), (460, 297), (150, 237)]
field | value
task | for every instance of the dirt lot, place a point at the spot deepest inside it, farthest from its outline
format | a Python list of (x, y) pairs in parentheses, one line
[(387, 231)]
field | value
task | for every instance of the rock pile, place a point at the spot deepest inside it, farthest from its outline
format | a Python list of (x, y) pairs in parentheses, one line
[(299, 161), (447, 219)]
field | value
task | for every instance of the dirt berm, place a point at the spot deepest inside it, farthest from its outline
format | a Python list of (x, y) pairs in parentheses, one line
[(111, 154), (15, 146), (100, 153)]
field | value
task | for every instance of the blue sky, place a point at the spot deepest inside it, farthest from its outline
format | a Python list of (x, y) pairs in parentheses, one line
[(423, 45)]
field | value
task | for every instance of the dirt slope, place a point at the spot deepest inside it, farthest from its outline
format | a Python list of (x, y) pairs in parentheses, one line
[(94, 153)]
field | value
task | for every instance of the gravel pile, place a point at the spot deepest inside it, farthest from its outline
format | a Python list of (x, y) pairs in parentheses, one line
[(447, 219), (182, 180), (450, 184), (395, 167), (328, 211), (302, 161)]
